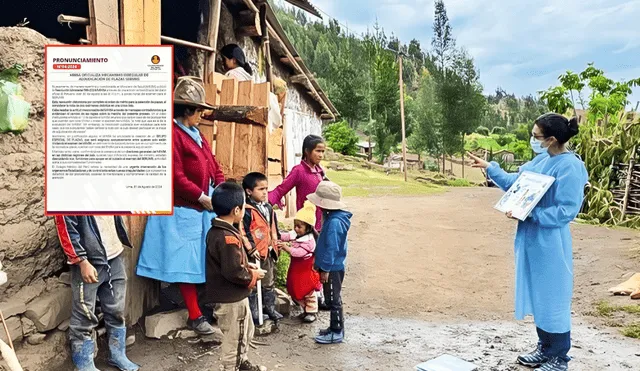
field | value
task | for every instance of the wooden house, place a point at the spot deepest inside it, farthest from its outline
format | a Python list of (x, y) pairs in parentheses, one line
[(238, 129)]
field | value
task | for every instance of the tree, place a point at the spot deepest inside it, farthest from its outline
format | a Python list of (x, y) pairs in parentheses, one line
[(443, 42), (424, 118), (341, 138)]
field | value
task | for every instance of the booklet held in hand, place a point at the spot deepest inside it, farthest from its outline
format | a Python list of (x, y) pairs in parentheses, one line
[(525, 194)]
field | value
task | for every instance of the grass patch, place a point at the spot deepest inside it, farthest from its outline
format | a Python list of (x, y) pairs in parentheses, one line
[(632, 331), (460, 182), (368, 183), (605, 309)]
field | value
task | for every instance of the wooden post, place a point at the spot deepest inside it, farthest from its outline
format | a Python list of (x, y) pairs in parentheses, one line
[(139, 25), (215, 7), (105, 25), (627, 189), (266, 44), (404, 139)]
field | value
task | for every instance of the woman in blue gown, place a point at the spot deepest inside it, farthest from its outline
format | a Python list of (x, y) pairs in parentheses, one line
[(543, 248)]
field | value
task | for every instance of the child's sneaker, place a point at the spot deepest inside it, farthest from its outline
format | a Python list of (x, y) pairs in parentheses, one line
[(555, 364), (248, 366), (533, 359), (201, 326), (309, 318), (330, 337)]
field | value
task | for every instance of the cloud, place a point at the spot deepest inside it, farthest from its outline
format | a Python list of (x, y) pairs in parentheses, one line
[(521, 45)]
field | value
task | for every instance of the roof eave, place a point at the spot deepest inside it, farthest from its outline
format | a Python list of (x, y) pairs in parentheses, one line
[(305, 5)]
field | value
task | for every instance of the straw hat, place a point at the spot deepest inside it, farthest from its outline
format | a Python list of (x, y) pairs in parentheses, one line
[(307, 214), (190, 92), (328, 196)]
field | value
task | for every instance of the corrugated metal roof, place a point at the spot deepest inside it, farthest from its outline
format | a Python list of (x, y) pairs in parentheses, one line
[(305, 5)]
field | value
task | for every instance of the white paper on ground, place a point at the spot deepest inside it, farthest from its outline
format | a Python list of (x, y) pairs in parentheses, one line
[(446, 363)]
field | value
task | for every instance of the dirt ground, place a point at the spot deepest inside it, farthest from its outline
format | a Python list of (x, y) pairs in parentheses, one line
[(434, 275)]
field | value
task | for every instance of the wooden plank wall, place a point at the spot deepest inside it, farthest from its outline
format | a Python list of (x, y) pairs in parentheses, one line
[(225, 137), (242, 148), (105, 25), (239, 148), (139, 25)]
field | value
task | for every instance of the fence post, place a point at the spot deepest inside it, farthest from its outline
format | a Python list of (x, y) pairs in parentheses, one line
[(627, 189)]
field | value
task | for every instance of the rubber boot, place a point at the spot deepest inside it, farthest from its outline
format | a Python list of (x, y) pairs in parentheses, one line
[(117, 350), (82, 355), (270, 305), (253, 305)]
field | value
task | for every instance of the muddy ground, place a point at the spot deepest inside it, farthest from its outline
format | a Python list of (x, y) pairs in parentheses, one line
[(434, 275)]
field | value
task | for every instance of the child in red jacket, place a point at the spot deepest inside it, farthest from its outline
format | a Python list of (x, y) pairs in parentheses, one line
[(302, 280)]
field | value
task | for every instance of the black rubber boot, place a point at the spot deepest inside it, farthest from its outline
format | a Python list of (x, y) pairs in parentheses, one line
[(270, 297)]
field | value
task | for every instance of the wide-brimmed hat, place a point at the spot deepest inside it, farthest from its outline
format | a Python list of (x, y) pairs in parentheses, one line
[(328, 196), (307, 214), (189, 91)]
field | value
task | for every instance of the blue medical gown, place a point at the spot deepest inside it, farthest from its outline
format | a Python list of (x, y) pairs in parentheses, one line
[(543, 248)]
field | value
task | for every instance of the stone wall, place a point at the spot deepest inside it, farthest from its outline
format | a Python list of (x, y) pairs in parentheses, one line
[(35, 302), (29, 246)]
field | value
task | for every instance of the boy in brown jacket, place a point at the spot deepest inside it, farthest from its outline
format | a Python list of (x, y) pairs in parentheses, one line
[(230, 277)]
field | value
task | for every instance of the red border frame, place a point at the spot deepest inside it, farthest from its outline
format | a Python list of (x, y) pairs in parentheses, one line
[(119, 213)]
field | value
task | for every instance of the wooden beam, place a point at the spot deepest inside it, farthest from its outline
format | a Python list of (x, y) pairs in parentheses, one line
[(248, 31), (248, 24), (105, 25), (251, 6), (240, 114), (215, 7), (139, 25), (132, 22), (299, 79), (266, 43), (152, 9)]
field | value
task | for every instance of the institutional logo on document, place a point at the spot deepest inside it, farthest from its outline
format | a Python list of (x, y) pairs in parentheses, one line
[(155, 59)]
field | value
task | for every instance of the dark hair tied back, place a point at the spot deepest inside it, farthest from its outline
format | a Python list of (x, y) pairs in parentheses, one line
[(558, 126), (231, 51)]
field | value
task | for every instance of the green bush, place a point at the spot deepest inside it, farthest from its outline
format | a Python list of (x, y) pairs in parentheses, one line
[(498, 130), (504, 140), (282, 268), (341, 138), (483, 130)]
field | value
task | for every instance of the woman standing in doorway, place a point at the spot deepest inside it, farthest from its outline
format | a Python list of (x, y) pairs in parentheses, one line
[(236, 63), (543, 246), (173, 248)]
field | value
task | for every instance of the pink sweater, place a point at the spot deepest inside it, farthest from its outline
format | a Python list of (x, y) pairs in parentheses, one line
[(305, 179), (302, 247)]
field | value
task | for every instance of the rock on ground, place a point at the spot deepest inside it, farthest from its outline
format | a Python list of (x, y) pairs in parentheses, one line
[(162, 324), (28, 240), (51, 309), (15, 329), (12, 308)]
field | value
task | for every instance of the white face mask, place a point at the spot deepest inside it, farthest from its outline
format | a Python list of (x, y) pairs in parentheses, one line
[(536, 145)]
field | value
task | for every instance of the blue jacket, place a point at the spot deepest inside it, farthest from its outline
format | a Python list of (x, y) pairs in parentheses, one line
[(331, 249), (80, 238)]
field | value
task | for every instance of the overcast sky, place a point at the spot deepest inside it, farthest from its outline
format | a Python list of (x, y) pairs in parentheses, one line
[(520, 45)]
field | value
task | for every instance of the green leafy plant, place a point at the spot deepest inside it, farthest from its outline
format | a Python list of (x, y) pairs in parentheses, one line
[(341, 138), (606, 138)]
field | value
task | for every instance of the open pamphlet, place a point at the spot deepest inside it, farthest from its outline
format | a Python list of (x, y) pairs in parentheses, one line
[(525, 194)]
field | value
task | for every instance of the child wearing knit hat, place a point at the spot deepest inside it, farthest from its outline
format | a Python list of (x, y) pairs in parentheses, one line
[(302, 280)]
